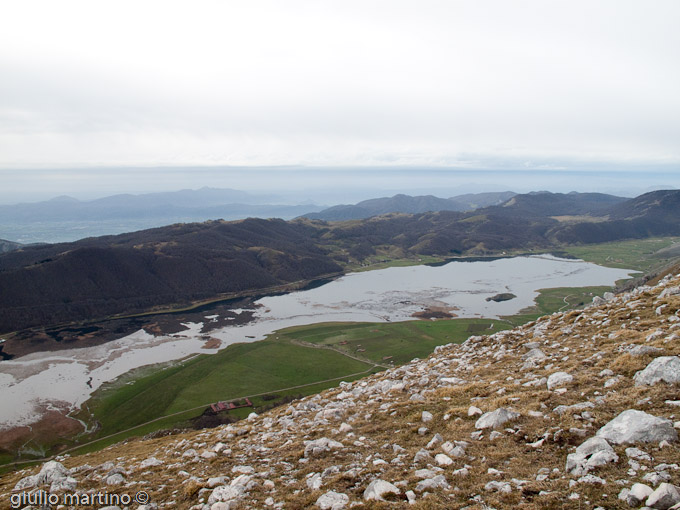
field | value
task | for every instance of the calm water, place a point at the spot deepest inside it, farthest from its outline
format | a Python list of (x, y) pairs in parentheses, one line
[(60, 380)]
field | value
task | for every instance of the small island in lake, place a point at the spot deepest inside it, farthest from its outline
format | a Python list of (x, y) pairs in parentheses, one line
[(505, 296)]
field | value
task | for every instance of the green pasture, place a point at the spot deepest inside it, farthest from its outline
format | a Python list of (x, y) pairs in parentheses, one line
[(557, 299), (239, 370), (391, 342), (642, 254)]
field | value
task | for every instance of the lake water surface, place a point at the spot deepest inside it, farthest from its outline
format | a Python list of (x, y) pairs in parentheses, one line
[(65, 379)]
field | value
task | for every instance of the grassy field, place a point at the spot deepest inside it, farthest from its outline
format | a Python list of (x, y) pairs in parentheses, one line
[(642, 254), (390, 343), (555, 300), (305, 356), (239, 370)]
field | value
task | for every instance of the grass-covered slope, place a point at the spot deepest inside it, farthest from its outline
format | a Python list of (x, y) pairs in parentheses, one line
[(417, 427)]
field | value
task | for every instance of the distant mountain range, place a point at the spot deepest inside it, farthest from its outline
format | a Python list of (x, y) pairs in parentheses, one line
[(410, 205), (181, 263), (66, 218), (169, 204)]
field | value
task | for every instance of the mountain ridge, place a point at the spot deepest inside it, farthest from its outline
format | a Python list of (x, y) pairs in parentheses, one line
[(410, 205), (182, 263)]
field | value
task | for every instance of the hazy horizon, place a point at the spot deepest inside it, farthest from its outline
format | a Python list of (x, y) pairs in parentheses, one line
[(95, 95), (324, 186)]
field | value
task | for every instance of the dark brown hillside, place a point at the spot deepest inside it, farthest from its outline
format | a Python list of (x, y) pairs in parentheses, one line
[(652, 214), (545, 204), (661, 205), (177, 264)]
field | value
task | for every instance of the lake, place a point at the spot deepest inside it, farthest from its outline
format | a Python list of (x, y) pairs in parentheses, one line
[(65, 379)]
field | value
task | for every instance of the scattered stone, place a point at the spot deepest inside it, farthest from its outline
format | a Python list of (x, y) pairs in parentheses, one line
[(638, 494), (503, 487), (664, 497), (436, 440), (116, 479), (662, 369), (634, 426), (559, 379), (321, 446), (332, 501), (592, 453), (377, 490), (474, 411), (496, 419), (443, 460), (643, 350), (151, 462), (437, 482), (637, 454)]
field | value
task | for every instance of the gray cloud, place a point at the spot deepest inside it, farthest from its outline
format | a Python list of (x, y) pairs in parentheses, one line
[(327, 83)]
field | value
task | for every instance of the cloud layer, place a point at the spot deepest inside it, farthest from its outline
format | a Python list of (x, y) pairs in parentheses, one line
[(337, 83)]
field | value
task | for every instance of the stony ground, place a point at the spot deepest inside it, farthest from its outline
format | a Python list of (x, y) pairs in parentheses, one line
[(576, 410)]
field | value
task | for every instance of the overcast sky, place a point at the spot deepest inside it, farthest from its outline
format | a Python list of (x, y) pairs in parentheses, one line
[(490, 84)]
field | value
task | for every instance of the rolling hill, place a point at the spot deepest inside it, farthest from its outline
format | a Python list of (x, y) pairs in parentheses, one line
[(184, 263), (409, 205)]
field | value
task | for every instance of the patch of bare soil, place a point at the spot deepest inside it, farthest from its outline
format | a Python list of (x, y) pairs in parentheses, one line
[(53, 425), (436, 312), (97, 333)]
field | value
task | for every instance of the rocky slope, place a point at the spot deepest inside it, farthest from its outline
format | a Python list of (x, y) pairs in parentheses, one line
[(575, 410)]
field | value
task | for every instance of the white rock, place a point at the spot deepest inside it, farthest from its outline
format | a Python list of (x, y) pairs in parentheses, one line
[(377, 490), (52, 471), (426, 416), (422, 456), (662, 369), (638, 493), (215, 481), (115, 479), (151, 462), (243, 470), (592, 453), (474, 411), (332, 501), (314, 482), (27, 482), (436, 440), (321, 446), (636, 453), (664, 497), (443, 460), (437, 482), (226, 493), (559, 379), (495, 419), (67, 484), (592, 479), (411, 497), (503, 487), (634, 426), (345, 428)]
